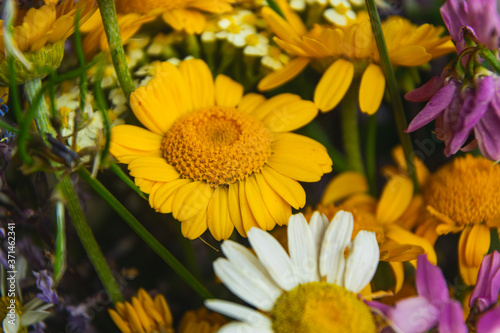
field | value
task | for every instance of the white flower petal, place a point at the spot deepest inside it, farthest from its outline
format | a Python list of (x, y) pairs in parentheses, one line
[(243, 286), (318, 224), (337, 237), (248, 264), (274, 258), (239, 312), (302, 249), (362, 261)]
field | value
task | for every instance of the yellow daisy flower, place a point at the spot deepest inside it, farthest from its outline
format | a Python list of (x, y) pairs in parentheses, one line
[(462, 196), (40, 34), (386, 216), (200, 321), (143, 314), (346, 53), (217, 159)]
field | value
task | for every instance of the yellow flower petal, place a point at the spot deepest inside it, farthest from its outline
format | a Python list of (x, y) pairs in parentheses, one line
[(139, 310), (295, 166), (412, 215), (277, 207), (191, 199), (153, 168), (234, 208), (162, 194), (427, 230), (129, 142), (247, 217), (402, 236), (133, 319), (411, 56), (289, 189), (399, 274), (195, 226), (218, 218), (257, 205), (344, 185), (178, 87), (472, 247), (250, 102), (283, 75), (144, 185), (190, 21), (291, 17), (276, 102), (290, 116), (395, 198), (122, 325), (280, 26), (227, 91), (200, 82), (333, 85), (371, 89), (162, 306)]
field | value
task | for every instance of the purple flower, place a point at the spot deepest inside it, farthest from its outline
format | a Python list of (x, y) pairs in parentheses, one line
[(432, 307), (44, 284), (485, 293), (489, 322), (479, 16), (461, 111)]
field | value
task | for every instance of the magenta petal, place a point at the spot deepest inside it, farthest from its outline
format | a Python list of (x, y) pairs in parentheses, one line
[(489, 322), (430, 282), (454, 13), (425, 92), (487, 130), (379, 306), (475, 105), (451, 319), (441, 100), (487, 287), (414, 315)]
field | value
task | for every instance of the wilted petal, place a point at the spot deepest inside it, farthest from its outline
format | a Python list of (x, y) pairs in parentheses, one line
[(487, 287), (414, 315), (436, 105), (430, 282), (487, 130), (454, 14), (489, 322), (425, 92), (451, 319)]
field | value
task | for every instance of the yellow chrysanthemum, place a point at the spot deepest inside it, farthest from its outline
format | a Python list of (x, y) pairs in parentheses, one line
[(200, 321), (40, 33), (346, 53), (181, 15), (143, 314), (217, 159), (462, 196), (386, 217)]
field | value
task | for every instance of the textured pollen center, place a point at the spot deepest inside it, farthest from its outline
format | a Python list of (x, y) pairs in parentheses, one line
[(218, 145), (466, 190), (321, 307)]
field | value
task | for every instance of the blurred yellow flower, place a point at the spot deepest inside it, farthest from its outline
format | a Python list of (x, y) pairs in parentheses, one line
[(216, 158), (346, 53), (200, 321), (143, 314)]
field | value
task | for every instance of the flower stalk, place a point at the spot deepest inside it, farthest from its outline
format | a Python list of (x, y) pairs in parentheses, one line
[(397, 103), (110, 22), (350, 130), (32, 88)]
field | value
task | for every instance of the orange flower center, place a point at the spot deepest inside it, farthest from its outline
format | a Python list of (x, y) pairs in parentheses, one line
[(218, 145), (466, 190)]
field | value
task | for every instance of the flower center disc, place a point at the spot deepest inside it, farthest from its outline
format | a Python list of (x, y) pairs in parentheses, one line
[(218, 145), (466, 190), (321, 307)]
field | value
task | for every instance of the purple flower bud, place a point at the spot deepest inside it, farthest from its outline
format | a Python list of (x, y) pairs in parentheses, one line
[(44, 284), (487, 287)]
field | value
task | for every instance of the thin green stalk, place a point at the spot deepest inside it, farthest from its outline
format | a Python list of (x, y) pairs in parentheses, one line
[(145, 235), (60, 245), (13, 93), (32, 89), (397, 103), (490, 58), (8, 127), (110, 22), (371, 153), (126, 179), (350, 129)]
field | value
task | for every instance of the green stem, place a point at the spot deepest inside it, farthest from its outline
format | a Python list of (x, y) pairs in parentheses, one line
[(371, 154), (490, 58), (32, 88), (350, 129), (397, 103), (60, 246), (110, 22), (126, 179), (145, 235)]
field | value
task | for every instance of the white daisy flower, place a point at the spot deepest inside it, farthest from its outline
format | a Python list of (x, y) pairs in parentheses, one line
[(313, 288)]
